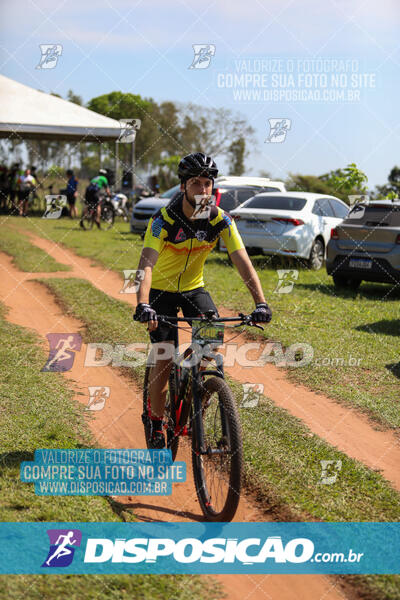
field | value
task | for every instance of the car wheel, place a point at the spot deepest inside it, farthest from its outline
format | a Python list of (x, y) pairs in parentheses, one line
[(344, 282), (317, 255)]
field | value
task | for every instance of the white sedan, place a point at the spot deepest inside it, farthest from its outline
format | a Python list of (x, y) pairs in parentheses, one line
[(290, 224)]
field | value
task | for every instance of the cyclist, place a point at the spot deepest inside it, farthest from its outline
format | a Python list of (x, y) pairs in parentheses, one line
[(175, 248), (94, 194)]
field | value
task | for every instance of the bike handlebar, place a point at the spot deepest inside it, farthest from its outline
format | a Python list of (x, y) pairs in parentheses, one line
[(198, 318), (245, 319)]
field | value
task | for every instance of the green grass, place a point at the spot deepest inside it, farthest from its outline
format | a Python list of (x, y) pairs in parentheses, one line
[(108, 587), (282, 456), (363, 326), (279, 446), (25, 255), (37, 410), (117, 248)]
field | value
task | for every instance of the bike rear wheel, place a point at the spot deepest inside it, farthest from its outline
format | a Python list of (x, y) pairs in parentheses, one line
[(170, 414), (218, 474), (87, 222)]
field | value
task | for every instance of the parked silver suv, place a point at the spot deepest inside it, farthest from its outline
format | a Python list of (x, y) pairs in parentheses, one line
[(366, 245)]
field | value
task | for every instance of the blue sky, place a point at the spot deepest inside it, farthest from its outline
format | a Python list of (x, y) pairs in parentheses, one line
[(145, 47)]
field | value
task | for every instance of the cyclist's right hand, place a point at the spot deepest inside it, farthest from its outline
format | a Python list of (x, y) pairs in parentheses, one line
[(144, 313)]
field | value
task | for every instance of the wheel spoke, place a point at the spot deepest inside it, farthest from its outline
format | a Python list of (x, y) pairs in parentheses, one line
[(218, 472)]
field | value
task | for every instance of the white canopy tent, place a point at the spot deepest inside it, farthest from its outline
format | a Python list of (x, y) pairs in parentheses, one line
[(26, 113), (31, 114)]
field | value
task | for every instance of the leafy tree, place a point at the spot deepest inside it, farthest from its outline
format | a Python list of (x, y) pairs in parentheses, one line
[(237, 153), (211, 130), (119, 105), (308, 183), (167, 172), (340, 183), (350, 180), (72, 97), (391, 189)]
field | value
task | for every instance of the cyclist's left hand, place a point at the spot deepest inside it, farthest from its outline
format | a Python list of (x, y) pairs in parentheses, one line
[(262, 313)]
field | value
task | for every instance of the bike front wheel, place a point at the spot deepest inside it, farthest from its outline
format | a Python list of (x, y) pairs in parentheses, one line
[(107, 216), (218, 473)]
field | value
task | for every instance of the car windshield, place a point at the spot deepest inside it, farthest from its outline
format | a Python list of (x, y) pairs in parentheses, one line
[(280, 202), (171, 192)]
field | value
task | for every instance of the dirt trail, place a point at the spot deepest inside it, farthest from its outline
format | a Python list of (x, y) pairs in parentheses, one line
[(343, 427), (118, 425)]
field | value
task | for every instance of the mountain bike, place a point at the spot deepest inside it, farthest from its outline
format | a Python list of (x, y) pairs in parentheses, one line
[(107, 216), (201, 406)]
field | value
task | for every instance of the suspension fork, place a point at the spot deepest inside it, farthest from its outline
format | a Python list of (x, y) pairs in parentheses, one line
[(197, 411)]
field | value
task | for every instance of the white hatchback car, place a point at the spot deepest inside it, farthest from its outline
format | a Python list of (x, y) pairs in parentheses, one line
[(290, 224)]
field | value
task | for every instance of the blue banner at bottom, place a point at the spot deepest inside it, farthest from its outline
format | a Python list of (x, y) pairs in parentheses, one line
[(200, 548)]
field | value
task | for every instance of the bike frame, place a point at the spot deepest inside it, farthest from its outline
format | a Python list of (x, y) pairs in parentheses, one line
[(197, 376)]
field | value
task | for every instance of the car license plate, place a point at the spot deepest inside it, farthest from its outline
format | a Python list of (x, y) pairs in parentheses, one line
[(360, 263)]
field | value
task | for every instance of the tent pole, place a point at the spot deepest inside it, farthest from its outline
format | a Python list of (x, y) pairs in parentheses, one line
[(116, 167), (133, 164)]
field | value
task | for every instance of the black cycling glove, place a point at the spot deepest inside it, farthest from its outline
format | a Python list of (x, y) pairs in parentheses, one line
[(262, 313), (144, 313)]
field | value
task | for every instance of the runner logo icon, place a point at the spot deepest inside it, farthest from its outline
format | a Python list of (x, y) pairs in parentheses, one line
[(98, 394), (62, 547), (50, 55), (278, 130), (203, 54), (62, 351)]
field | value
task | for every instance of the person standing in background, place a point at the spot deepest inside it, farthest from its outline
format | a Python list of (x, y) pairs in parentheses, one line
[(38, 184), (3, 187), (72, 193), (26, 184), (13, 176)]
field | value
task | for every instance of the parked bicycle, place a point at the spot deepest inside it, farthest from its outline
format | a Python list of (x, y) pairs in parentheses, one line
[(107, 217), (119, 202), (200, 405)]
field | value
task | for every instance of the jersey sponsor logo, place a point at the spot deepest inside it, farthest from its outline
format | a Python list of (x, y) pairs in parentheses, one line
[(201, 235), (156, 226), (228, 221), (180, 236)]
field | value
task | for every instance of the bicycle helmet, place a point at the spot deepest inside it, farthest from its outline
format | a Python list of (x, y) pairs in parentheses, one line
[(197, 164), (102, 172)]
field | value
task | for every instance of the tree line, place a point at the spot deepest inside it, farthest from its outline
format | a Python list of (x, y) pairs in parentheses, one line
[(169, 130)]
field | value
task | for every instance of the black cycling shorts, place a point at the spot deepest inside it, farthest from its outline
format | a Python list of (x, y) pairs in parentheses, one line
[(71, 199), (193, 304), (92, 198)]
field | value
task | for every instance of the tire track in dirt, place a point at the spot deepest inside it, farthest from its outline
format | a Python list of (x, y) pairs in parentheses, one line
[(119, 425), (346, 428)]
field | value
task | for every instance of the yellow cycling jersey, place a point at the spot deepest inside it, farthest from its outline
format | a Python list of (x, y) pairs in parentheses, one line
[(184, 245)]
